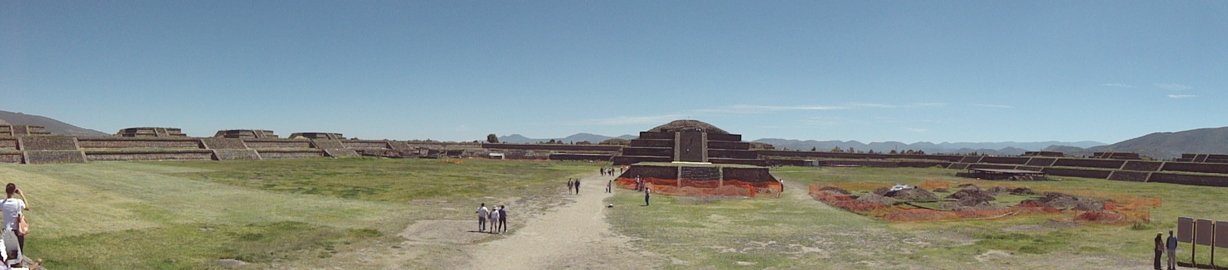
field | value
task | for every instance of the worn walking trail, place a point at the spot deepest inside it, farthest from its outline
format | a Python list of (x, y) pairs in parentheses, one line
[(573, 236)]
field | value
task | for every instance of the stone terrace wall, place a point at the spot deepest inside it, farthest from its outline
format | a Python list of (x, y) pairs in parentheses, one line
[(558, 147), (1146, 166), (1196, 167), (1090, 163), (8, 156), (47, 143), (1199, 180), (235, 154), (289, 153), (365, 144), (105, 142), (8, 143), (54, 156), (277, 144), (1075, 172), (1130, 176), (1006, 160), (593, 157), (159, 154), (223, 143)]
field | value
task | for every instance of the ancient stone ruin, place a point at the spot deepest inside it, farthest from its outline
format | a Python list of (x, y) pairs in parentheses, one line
[(689, 157), (150, 132)]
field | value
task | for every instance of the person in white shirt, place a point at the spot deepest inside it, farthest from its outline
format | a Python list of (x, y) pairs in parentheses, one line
[(494, 220), (12, 210), (482, 213)]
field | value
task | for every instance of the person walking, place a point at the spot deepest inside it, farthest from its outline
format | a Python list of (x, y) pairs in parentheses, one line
[(1172, 251), (609, 185), (577, 186), (571, 185), (647, 193), (482, 214), (494, 220), (12, 208), (1159, 250), (503, 218)]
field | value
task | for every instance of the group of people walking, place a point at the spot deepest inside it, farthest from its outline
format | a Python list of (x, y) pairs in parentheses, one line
[(573, 185), (610, 171), (497, 218)]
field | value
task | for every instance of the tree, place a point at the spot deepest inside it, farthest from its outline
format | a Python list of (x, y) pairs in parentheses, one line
[(812, 149), (837, 150), (615, 141), (492, 138), (583, 142), (893, 152)]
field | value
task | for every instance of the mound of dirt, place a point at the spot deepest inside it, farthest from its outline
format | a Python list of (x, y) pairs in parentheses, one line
[(912, 195), (1062, 201), (971, 196), (941, 190), (875, 198), (1022, 191)]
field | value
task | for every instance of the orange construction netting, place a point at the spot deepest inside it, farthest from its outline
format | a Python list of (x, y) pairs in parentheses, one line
[(702, 188)]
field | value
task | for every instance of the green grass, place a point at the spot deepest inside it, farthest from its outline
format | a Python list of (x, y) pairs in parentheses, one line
[(186, 215), (770, 232)]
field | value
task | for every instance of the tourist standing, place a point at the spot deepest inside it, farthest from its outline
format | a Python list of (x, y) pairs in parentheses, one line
[(646, 195), (482, 213), (609, 185), (1172, 251), (571, 185), (494, 221), (1159, 249), (503, 218), (12, 208), (577, 186)]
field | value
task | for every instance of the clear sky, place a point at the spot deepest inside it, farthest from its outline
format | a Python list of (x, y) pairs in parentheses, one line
[(457, 70)]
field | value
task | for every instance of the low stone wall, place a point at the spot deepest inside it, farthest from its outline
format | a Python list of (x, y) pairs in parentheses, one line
[(1090, 163), (739, 154), (1187, 179), (1076, 172), (1196, 167), (288, 154), (235, 154), (992, 166), (165, 154), (103, 142), (655, 152), (593, 157), (662, 172), (747, 174), (334, 152)]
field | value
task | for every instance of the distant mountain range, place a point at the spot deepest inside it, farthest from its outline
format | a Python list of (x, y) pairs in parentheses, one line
[(578, 137), (54, 126), (1164, 145), (992, 148)]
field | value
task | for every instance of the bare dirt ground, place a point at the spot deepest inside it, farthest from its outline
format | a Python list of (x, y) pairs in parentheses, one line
[(574, 236), (568, 234)]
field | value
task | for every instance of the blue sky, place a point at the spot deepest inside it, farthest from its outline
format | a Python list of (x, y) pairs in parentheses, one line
[(458, 70)]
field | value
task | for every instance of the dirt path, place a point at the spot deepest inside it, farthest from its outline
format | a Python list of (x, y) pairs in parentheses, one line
[(572, 236)]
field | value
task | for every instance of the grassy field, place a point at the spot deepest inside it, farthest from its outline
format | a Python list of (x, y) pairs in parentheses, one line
[(186, 215), (794, 231)]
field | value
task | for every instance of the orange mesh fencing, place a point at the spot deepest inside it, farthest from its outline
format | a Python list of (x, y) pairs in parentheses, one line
[(703, 188)]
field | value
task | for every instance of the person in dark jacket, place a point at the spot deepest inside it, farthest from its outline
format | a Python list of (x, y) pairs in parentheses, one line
[(577, 186), (503, 221), (1159, 249), (1172, 251)]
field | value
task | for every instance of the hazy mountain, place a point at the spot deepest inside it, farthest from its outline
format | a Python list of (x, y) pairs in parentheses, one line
[(993, 148), (54, 126), (1168, 145), (578, 137)]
